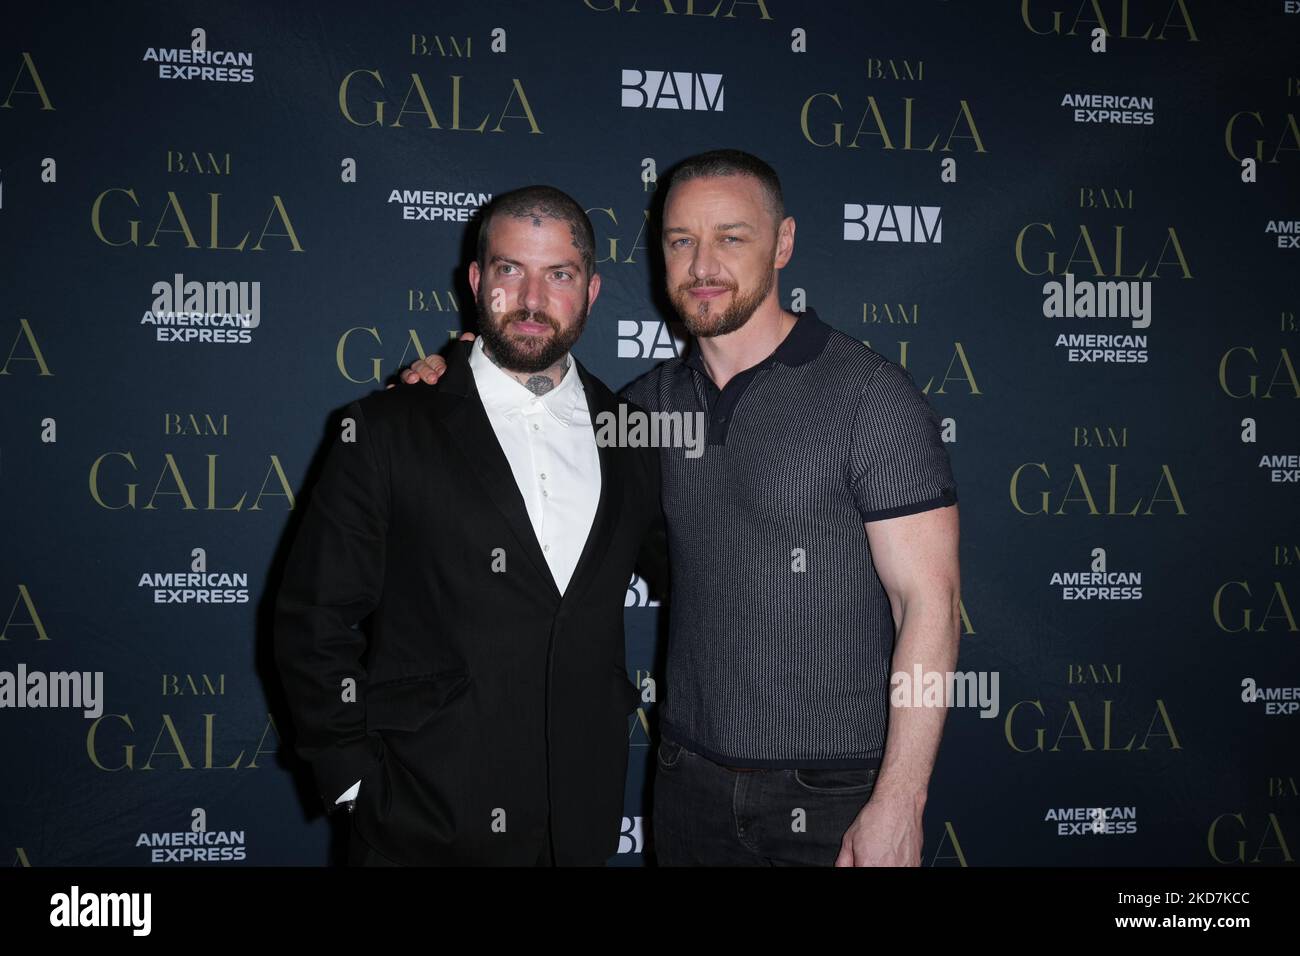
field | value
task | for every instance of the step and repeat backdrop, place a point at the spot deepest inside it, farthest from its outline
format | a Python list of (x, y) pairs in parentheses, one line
[(1076, 224)]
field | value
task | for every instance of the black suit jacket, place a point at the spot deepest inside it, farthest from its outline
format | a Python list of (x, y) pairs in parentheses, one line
[(489, 720)]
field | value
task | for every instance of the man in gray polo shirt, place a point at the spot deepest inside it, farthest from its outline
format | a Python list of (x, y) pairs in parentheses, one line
[(780, 745), (779, 741)]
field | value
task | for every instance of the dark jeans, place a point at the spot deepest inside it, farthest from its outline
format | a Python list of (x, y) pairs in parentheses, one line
[(707, 815)]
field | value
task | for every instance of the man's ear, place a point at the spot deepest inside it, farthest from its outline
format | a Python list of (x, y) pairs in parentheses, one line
[(593, 289), (475, 276), (784, 242)]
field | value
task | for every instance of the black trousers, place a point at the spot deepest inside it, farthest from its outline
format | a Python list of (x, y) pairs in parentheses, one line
[(361, 853)]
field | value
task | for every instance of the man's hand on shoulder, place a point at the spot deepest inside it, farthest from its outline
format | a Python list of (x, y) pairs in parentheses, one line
[(430, 368)]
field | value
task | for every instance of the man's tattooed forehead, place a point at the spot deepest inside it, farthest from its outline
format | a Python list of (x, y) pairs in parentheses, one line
[(537, 215)]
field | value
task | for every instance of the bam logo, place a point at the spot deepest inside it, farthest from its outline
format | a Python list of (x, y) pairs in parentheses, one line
[(630, 839), (879, 223), (662, 90), (638, 593), (421, 46), (650, 339)]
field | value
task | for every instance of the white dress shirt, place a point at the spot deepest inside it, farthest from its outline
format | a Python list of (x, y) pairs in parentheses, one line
[(551, 447)]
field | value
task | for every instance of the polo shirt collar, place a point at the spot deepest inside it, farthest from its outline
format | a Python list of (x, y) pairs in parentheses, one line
[(803, 343)]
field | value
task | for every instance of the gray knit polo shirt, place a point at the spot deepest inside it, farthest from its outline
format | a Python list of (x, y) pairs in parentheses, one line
[(780, 632)]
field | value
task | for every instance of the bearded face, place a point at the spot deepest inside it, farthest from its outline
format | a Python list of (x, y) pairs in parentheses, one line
[(707, 313), (532, 293), (525, 341), (720, 252)]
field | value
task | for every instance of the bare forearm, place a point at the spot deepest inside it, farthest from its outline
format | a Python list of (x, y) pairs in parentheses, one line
[(928, 637)]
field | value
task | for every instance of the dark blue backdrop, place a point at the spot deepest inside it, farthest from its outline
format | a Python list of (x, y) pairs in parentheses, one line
[(121, 453)]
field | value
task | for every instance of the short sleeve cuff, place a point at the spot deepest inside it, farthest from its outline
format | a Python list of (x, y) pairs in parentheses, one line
[(946, 498)]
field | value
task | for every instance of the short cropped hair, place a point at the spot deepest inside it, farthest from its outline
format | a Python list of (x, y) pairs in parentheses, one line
[(546, 201), (733, 162)]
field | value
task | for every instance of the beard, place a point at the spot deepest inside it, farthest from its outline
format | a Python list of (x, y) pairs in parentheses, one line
[(702, 320), (526, 353)]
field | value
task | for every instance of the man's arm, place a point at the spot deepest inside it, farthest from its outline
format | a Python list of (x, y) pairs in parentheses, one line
[(916, 558), (332, 581)]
